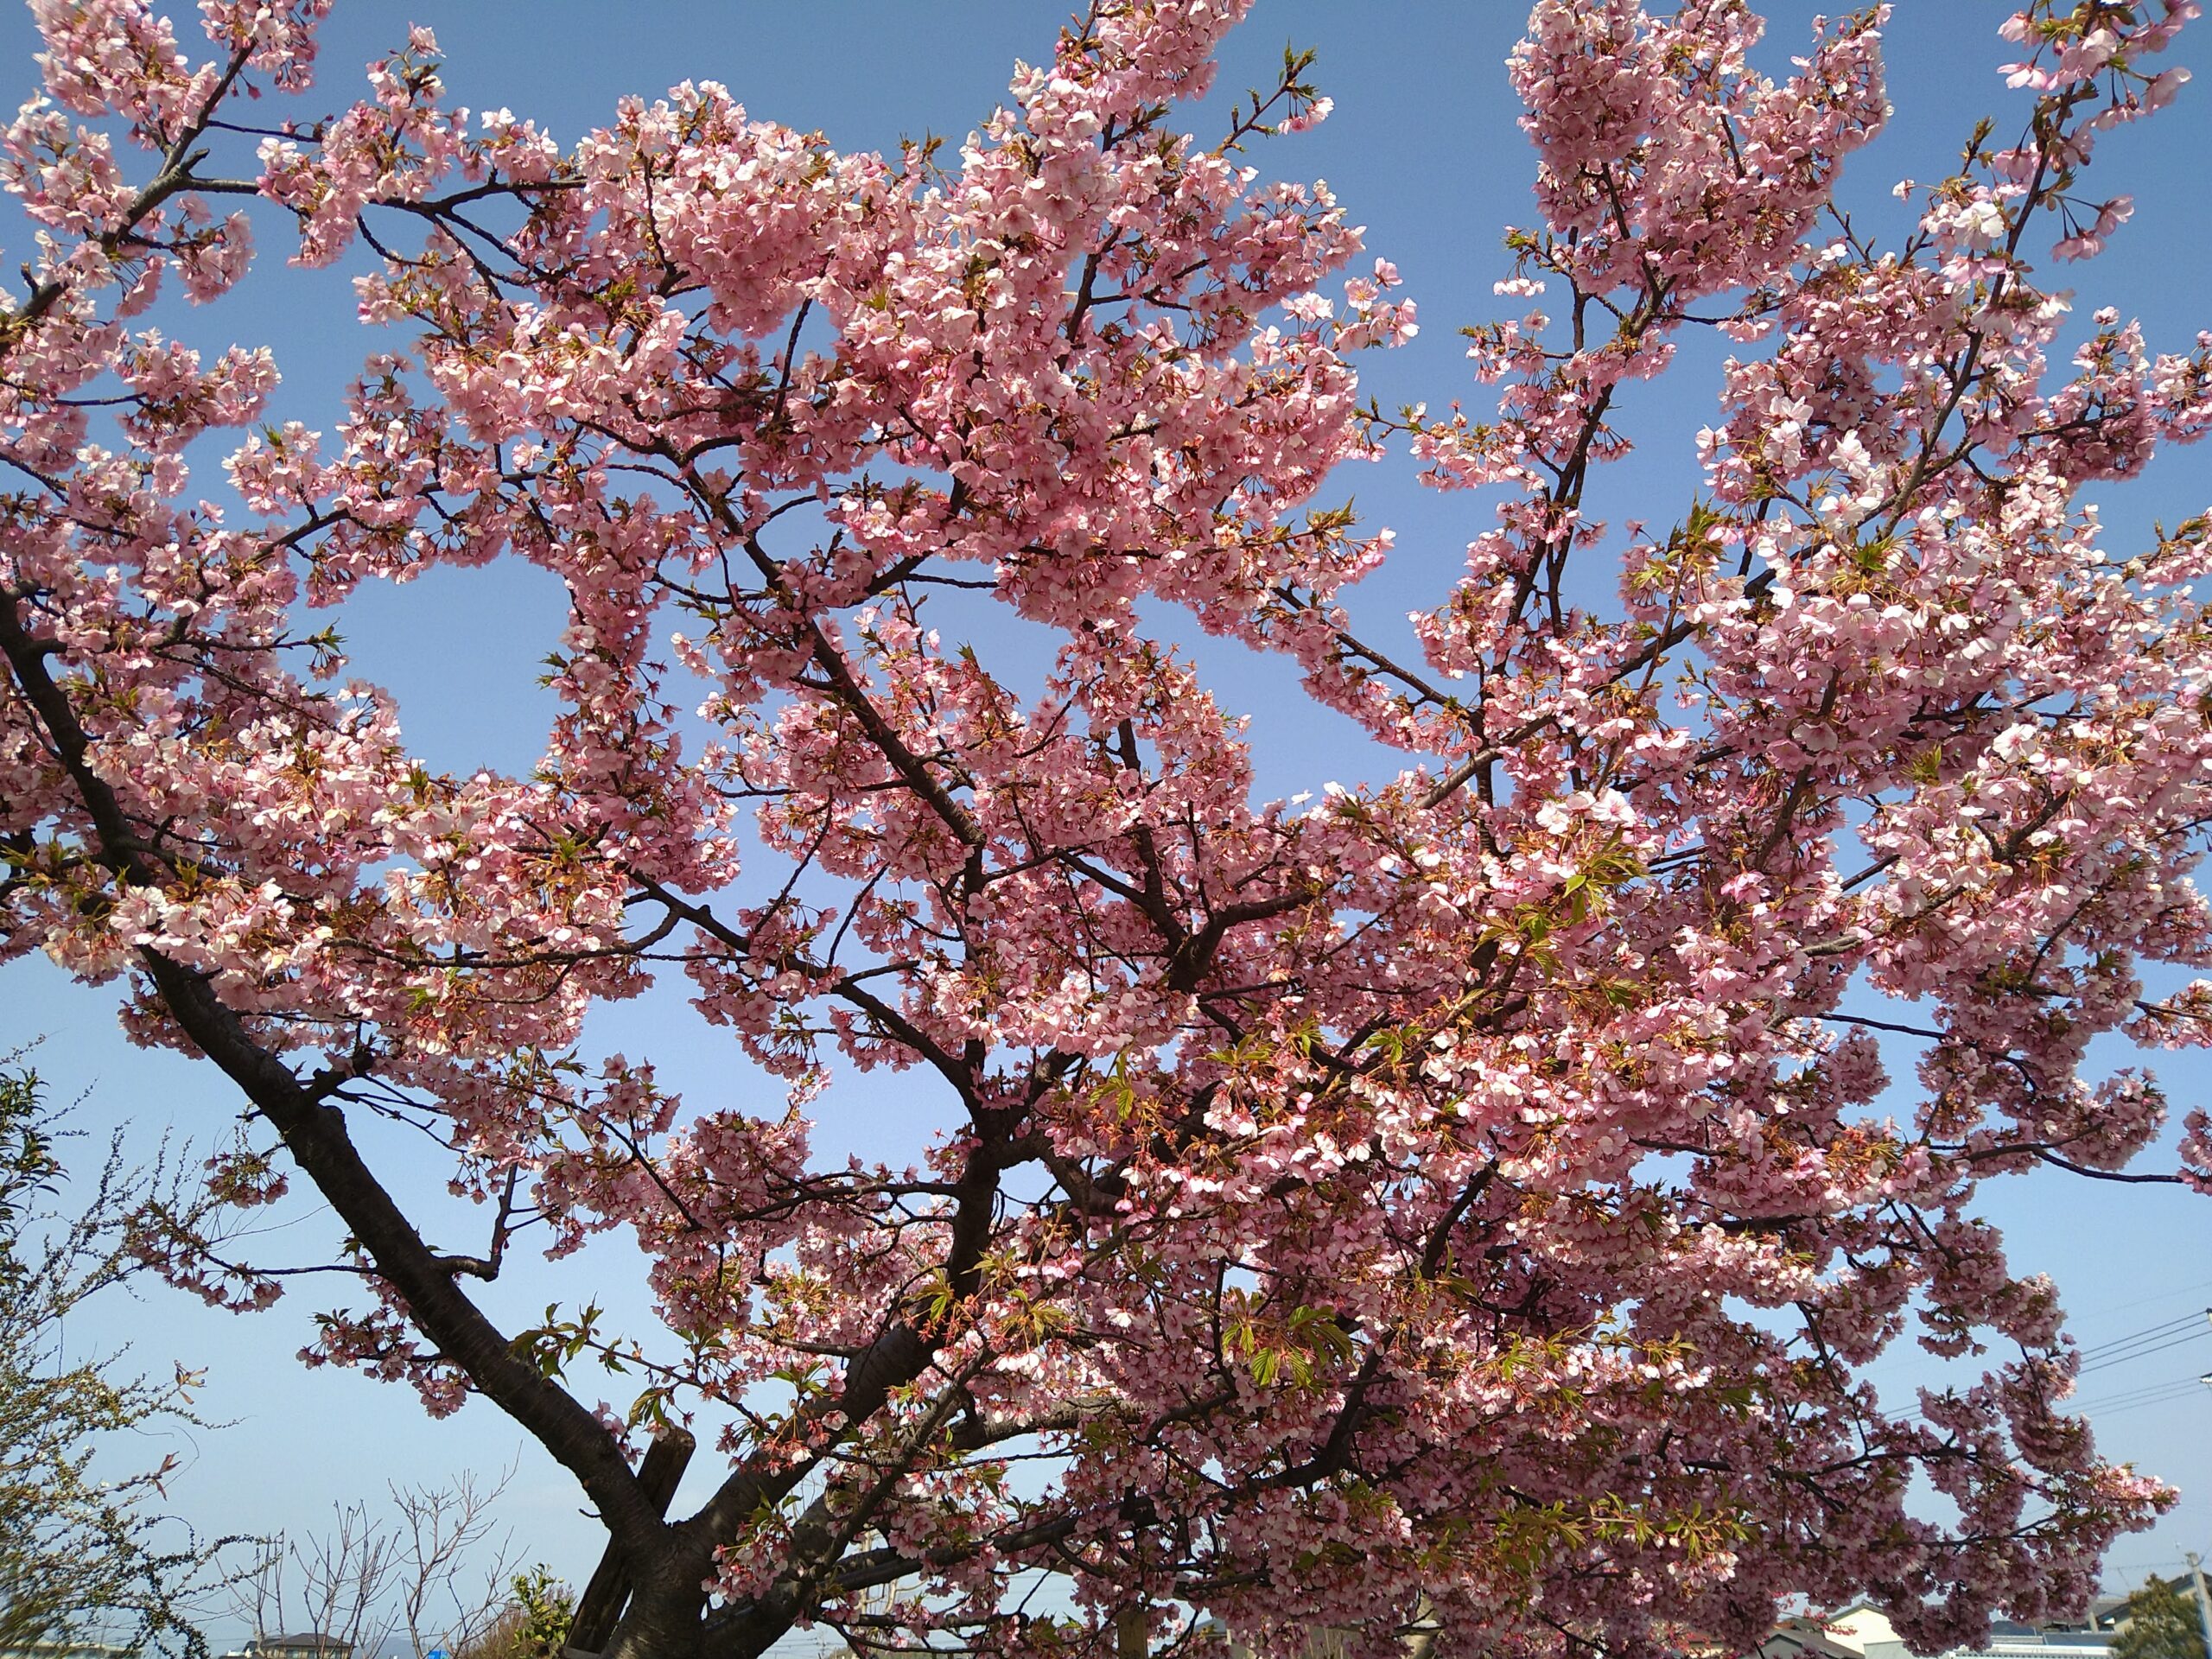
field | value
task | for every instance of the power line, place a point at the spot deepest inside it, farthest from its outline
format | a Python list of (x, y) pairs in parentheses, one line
[(2109, 1346), (2162, 1400), (2140, 1344), (2110, 1352), (2158, 1296), (2183, 1382), (2169, 1397), (2097, 1410), (2165, 1328), (2182, 1340)]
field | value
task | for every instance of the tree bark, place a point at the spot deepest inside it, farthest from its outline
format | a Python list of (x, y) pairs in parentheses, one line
[(608, 1591)]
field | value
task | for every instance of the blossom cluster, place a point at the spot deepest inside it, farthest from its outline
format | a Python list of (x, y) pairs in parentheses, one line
[(1468, 1201)]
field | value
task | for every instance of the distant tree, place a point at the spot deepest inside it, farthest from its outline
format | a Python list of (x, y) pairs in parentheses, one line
[(2162, 1623), (428, 1576), (534, 1625), (81, 1551)]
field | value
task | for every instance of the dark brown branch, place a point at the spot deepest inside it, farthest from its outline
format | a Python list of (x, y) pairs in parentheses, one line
[(314, 1133)]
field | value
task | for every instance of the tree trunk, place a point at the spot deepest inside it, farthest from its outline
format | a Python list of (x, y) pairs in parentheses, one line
[(664, 1619), (604, 1598)]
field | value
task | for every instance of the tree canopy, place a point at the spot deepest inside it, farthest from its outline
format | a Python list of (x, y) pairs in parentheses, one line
[(1463, 1203), (2161, 1624)]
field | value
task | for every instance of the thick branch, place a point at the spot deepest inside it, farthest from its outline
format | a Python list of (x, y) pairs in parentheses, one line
[(314, 1133)]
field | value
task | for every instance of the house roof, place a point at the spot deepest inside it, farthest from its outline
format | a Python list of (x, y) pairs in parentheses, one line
[(1804, 1638)]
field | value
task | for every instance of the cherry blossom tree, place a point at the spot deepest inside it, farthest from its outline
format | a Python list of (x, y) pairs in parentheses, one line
[(1463, 1204)]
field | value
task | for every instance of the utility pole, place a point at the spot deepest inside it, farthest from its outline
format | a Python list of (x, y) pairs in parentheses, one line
[(2196, 1571)]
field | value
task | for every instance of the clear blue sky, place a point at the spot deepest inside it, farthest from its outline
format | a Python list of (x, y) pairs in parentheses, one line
[(1422, 150)]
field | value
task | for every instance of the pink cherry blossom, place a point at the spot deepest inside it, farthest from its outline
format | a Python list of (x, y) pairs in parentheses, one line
[(1466, 1202)]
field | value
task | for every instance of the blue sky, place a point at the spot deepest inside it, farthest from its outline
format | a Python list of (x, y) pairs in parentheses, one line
[(1421, 148)]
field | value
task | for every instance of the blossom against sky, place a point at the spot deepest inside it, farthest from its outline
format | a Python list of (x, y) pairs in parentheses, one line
[(1422, 148)]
